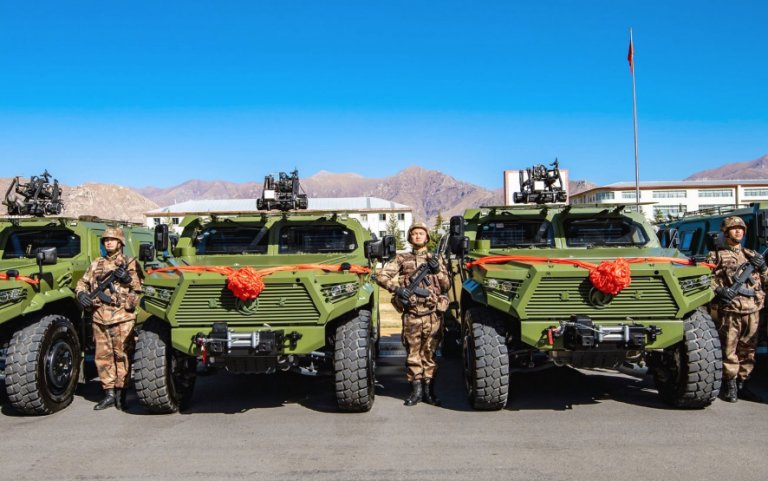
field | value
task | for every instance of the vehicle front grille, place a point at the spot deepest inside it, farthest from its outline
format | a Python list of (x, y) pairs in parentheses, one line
[(559, 297), (277, 304)]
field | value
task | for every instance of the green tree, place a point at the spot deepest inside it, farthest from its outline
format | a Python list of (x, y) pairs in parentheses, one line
[(393, 229), (658, 217), (436, 232)]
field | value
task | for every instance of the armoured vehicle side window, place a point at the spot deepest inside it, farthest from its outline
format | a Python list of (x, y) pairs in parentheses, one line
[(316, 239), (233, 240), (604, 232), (689, 240), (23, 243), (517, 233)]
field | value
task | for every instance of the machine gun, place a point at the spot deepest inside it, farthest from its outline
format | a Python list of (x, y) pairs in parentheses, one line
[(743, 276), (419, 277), (282, 194), (540, 185), (38, 197)]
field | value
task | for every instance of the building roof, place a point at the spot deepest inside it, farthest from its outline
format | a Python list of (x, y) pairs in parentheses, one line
[(202, 206), (677, 184)]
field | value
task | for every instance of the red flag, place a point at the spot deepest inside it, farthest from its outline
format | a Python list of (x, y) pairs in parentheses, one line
[(631, 56)]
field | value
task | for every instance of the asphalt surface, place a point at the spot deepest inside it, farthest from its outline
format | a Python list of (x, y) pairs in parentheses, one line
[(560, 424)]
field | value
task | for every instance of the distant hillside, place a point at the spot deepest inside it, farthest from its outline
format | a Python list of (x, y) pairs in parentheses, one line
[(429, 192), (107, 201), (753, 169)]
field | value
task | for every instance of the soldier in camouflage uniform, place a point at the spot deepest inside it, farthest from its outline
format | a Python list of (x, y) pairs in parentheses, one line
[(737, 309), (113, 322), (422, 318)]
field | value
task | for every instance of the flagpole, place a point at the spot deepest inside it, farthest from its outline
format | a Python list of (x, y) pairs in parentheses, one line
[(634, 116)]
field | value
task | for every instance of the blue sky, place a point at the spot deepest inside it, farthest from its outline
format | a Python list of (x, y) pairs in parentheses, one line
[(156, 93)]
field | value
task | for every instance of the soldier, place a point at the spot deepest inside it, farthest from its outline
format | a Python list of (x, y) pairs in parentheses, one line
[(737, 306), (113, 322), (422, 316)]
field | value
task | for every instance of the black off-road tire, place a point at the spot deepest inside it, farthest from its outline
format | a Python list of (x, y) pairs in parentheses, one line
[(486, 359), (164, 379), (353, 364), (689, 374), (43, 365)]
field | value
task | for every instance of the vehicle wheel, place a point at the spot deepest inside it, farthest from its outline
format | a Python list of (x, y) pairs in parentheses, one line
[(486, 360), (164, 378), (450, 347), (689, 374), (354, 365), (42, 366)]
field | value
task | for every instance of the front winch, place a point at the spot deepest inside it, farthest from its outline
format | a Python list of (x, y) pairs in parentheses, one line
[(224, 341), (580, 332)]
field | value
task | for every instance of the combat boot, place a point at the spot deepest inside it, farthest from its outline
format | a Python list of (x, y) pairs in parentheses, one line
[(108, 401), (416, 394), (731, 391), (429, 393), (120, 399)]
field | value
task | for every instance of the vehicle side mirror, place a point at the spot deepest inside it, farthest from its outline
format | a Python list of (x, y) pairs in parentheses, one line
[(383, 249), (146, 252), (46, 256), (161, 237), (458, 243)]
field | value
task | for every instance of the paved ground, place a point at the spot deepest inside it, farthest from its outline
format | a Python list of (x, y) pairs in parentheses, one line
[(560, 424)]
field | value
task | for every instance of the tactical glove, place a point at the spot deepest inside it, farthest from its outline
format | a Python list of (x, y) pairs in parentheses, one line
[(402, 293), (434, 265), (122, 275), (726, 295), (84, 300), (758, 261)]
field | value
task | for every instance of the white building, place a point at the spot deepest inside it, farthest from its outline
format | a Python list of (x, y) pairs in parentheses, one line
[(669, 199), (372, 212)]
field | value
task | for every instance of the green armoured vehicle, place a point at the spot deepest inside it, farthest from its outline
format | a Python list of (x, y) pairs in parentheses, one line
[(317, 312), (533, 295), (43, 330)]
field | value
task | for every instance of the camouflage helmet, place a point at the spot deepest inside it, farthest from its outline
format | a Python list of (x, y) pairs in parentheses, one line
[(113, 233), (418, 225), (731, 222)]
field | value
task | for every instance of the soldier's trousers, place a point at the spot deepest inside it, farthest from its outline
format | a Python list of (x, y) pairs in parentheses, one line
[(421, 336), (114, 348), (738, 336)]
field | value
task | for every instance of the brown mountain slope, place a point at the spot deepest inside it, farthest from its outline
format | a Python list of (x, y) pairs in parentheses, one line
[(753, 169), (107, 201)]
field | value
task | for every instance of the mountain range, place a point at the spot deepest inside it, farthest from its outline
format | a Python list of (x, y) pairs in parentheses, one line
[(428, 192)]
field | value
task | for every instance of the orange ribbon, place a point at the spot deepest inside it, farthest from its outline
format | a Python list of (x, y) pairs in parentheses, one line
[(28, 280), (609, 277)]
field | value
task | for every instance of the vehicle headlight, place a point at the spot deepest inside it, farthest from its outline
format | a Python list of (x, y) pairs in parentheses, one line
[(159, 293), (506, 288), (337, 292), (12, 295)]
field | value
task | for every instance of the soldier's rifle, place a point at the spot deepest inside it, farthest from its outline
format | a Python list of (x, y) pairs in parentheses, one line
[(107, 283), (420, 276)]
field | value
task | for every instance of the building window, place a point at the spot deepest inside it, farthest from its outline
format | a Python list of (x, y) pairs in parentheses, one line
[(382, 217), (401, 216), (667, 211), (156, 220), (715, 192), (364, 217), (601, 196), (755, 192), (175, 220), (402, 234), (668, 194), (628, 195), (382, 233)]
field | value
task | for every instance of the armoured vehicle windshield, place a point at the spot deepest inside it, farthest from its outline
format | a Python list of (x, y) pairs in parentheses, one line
[(517, 233), (618, 231), (25, 242), (237, 239), (316, 239)]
